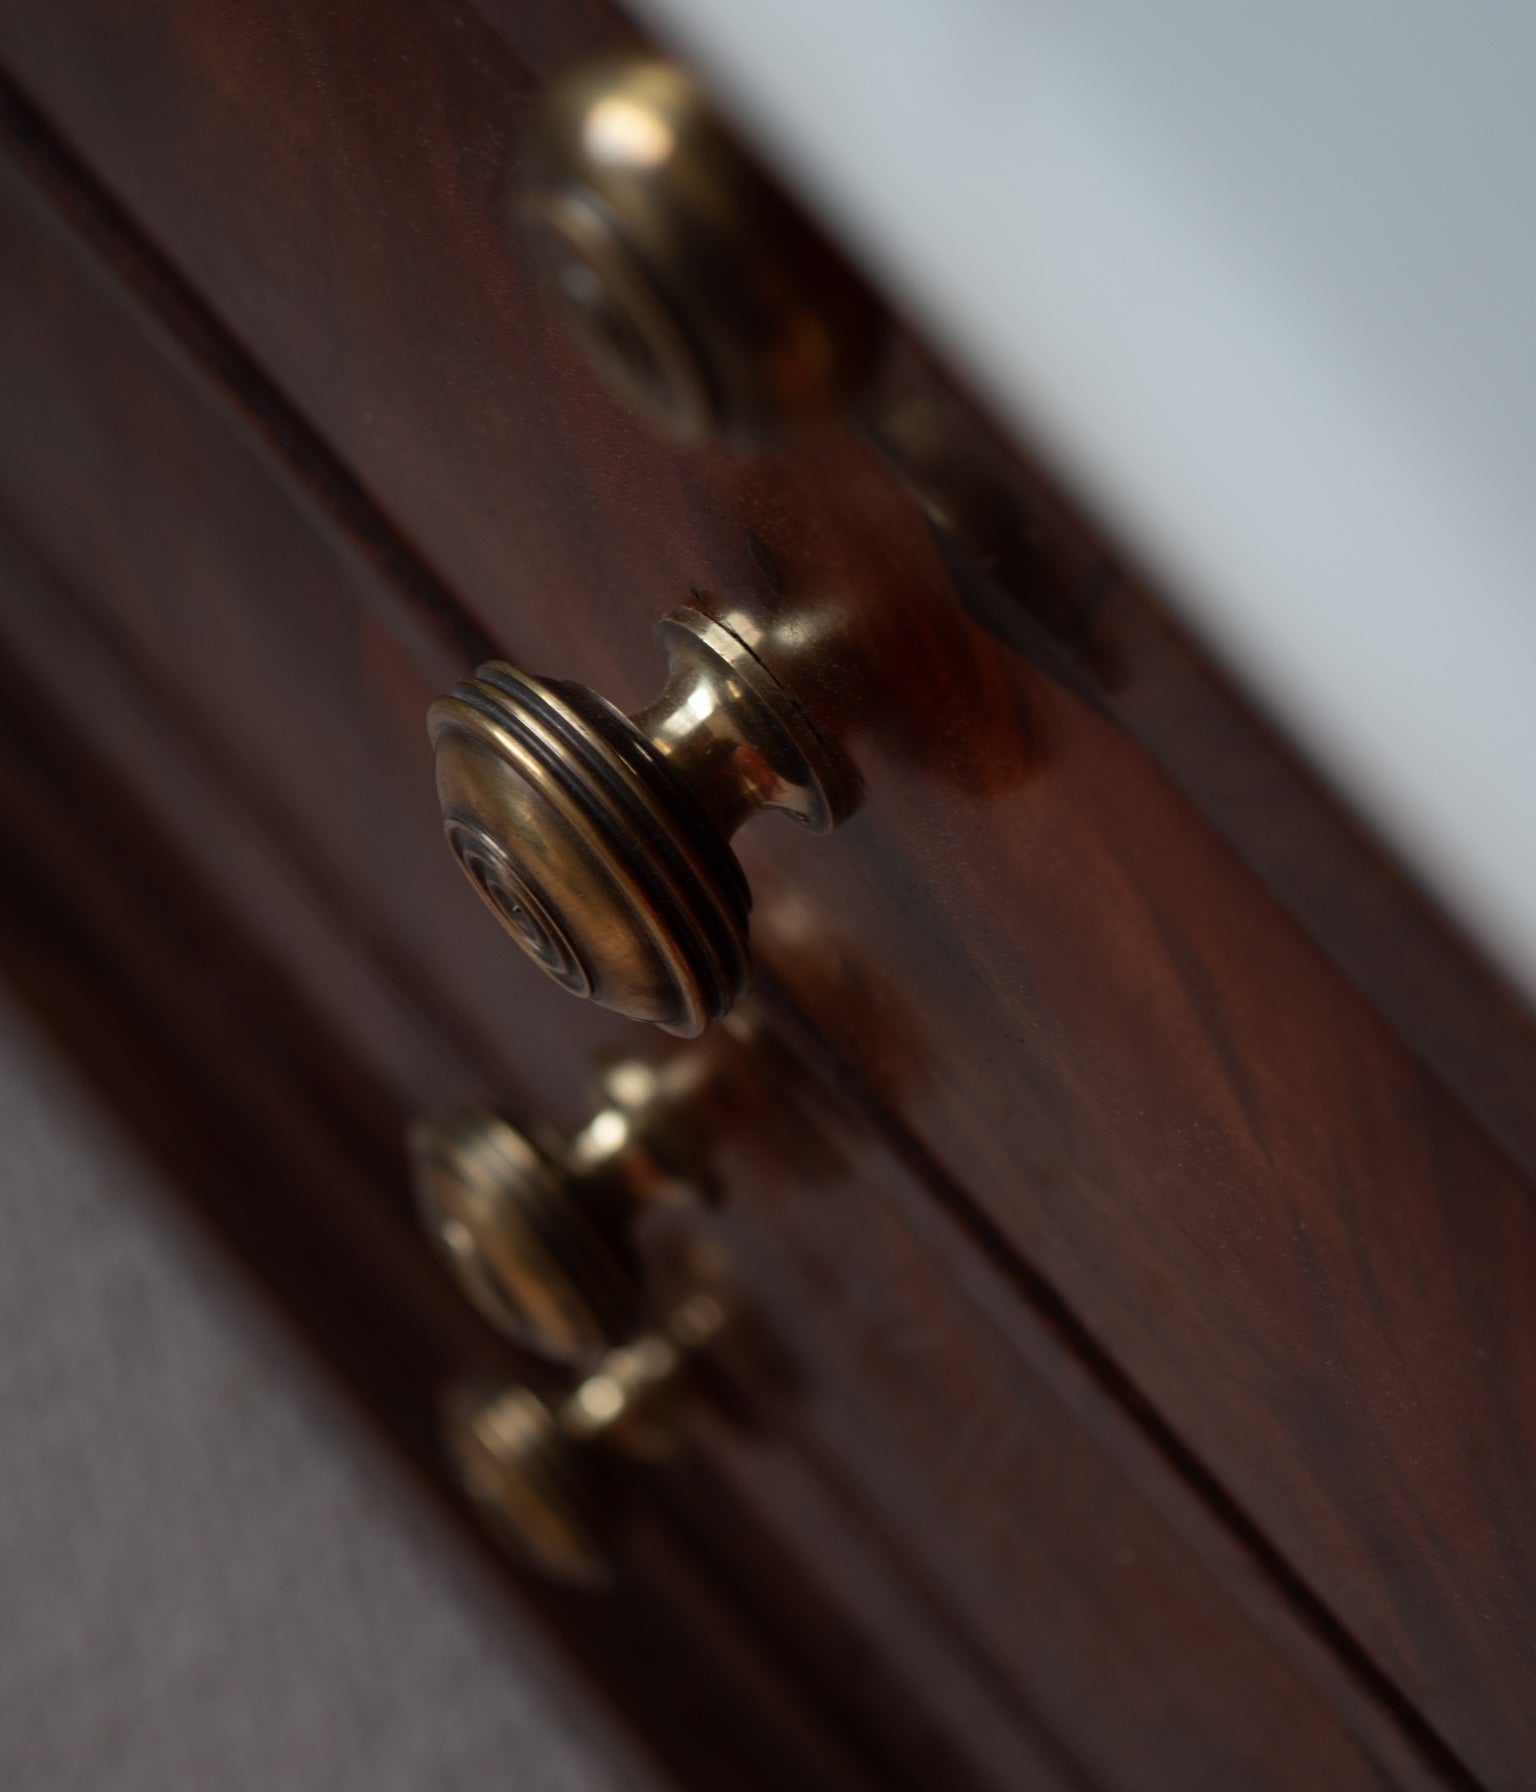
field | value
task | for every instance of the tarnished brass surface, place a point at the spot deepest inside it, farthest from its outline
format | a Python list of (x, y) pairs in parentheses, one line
[(517, 1237), (698, 289), (535, 1234), (711, 304), (546, 1474), (600, 841)]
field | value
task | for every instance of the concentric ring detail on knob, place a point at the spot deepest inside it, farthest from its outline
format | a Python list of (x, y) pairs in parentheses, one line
[(488, 868), (591, 853), (601, 841)]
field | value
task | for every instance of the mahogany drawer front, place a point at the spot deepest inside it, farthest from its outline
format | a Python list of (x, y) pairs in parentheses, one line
[(212, 1056), (882, 1509), (304, 678), (1141, 1079), (338, 183)]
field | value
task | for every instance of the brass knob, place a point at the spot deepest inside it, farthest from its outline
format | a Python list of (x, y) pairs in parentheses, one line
[(546, 1474), (600, 841), (697, 288), (534, 1233)]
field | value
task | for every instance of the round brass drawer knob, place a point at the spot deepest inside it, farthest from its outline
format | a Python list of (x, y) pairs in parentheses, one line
[(537, 1234), (525, 1249), (702, 294), (600, 841), (546, 1474)]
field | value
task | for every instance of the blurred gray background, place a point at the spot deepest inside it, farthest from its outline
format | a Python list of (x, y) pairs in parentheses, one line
[(212, 1576)]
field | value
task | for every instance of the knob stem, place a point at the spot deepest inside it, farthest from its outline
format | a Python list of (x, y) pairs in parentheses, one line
[(600, 841), (543, 1475), (733, 733), (627, 1403)]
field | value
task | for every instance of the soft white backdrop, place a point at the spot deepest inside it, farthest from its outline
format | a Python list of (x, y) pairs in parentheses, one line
[(1263, 276)]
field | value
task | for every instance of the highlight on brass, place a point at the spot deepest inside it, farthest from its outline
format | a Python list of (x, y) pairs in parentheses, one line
[(511, 1226), (710, 303), (601, 841), (536, 1234), (547, 1473), (701, 293)]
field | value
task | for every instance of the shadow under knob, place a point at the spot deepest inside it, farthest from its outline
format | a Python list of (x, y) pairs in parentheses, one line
[(601, 841)]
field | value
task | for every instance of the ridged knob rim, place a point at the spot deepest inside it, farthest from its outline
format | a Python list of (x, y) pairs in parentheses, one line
[(679, 883), (546, 1496), (517, 1238)]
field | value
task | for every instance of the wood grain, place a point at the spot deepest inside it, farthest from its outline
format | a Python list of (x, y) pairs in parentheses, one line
[(1130, 1072), (289, 1151), (949, 1502), (346, 203), (862, 1507), (287, 655)]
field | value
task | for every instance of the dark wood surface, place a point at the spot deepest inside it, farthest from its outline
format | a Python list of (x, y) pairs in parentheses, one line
[(1142, 1090), (337, 180), (289, 1149), (933, 1411), (290, 1152)]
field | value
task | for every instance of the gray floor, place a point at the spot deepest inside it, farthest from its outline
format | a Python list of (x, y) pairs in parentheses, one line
[(209, 1576)]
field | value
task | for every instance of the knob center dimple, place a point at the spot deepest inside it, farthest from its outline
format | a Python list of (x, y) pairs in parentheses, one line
[(489, 868)]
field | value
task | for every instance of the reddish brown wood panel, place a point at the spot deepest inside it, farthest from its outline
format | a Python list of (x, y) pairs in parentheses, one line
[(951, 1500), (183, 1020), (1227, 1163), (1154, 1087), (1022, 1564), (289, 1150), (304, 676), (339, 180)]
